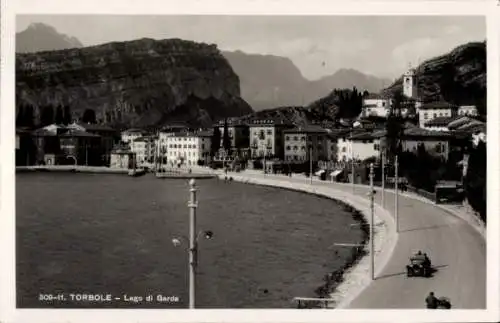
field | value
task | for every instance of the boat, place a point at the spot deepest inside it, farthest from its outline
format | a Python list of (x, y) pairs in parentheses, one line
[(137, 172)]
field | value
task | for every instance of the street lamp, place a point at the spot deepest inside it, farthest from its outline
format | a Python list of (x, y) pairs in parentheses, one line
[(193, 241), (372, 217)]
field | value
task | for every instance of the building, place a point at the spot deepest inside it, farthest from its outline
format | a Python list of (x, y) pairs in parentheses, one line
[(365, 145), (467, 110), (410, 84), (161, 143), (57, 144), (433, 110), (439, 124), (84, 148), (188, 149), (305, 144), (239, 135), (25, 147), (130, 135), (122, 159), (109, 137), (266, 137), (436, 143), (376, 105), (144, 149)]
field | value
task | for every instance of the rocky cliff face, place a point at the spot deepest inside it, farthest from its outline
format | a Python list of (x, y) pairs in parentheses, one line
[(458, 77), (139, 83)]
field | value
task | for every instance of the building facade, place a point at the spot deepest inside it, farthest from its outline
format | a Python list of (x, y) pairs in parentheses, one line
[(187, 149), (467, 110), (266, 137), (144, 148), (433, 110), (305, 144), (130, 135), (376, 105), (239, 135)]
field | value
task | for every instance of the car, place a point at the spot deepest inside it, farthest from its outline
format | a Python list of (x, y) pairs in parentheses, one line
[(419, 267), (444, 303)]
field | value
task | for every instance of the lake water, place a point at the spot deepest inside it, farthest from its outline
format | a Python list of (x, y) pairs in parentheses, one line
[(112, 234)]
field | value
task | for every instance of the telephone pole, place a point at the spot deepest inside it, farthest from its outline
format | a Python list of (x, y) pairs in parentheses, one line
[(372, 224)]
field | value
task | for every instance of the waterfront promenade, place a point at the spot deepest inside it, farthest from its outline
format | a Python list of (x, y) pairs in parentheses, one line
[(457, 249)]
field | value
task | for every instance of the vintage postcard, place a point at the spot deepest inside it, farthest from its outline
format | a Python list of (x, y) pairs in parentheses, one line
[(271, 162)]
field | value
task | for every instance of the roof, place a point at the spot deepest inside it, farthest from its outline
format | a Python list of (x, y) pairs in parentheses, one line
[(375, 96), (460, 121), (269, 122), (42, 132), (440, 122), (231, 123), (438, 105), (362, 136), (307, 129), (95, 127), (337, 133), (419, 132), (78, 133), (23, 131), (134, 130)]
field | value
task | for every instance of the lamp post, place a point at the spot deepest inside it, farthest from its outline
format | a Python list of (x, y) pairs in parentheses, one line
[(396, 194), (310, 165), (193, 242), (383, 179), (352, 162), (372, 242)]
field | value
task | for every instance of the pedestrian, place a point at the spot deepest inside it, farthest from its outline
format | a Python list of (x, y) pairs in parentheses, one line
[(431, 301)]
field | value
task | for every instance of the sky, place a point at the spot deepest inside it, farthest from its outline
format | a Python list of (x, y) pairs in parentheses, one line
[(383, 46)]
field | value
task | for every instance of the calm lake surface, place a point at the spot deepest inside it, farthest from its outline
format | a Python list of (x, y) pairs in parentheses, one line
[(112, 234)]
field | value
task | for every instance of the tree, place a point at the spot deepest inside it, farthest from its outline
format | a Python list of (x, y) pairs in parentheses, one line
[(29, 117), (215, 144), (46, 115), (475, 179), (226, 141), (394, 128), (59, 118), (20, 118), (89, 116), (67, 118)]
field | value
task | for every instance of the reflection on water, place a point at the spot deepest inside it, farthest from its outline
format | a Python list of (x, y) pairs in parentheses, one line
[(112, 234)]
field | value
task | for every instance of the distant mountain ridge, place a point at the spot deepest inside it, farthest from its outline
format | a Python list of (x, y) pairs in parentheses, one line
[(41, 37), (458, 77), (269, 81), (266, 81)]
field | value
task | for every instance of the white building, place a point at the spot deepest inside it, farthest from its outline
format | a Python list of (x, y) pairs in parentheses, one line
[(433, 110), (187, 149), (436, 143), (144, 149), (130, 135), (376, 105), (467, 110), (410, 84), (365, 145)]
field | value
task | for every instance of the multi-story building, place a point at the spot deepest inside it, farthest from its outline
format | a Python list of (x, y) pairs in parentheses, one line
[(161, 143), (376, 105), (130, 135), (266, 137), (144, 149), (365, 145), (436, 143), (305, 144), (187, 149), (433, 110), (467, 110), (239, 135), (109, 137)]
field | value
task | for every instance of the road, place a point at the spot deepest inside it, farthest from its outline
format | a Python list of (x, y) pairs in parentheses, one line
[(456, 249)]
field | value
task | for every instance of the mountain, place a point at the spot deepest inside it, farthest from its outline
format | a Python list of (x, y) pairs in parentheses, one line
[(269, 81), (458, 77), (40, 37), (140, 83)]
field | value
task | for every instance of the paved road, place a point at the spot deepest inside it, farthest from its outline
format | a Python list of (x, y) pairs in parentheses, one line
[(455, 248)]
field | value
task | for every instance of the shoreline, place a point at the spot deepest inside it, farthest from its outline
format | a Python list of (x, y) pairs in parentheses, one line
[(107, 170), (343, 285)]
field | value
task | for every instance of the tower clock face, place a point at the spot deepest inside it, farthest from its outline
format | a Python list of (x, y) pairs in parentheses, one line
[(407, 80)]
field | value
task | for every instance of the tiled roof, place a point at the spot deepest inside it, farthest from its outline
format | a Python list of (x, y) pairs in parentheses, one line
[(419, 132), (307, 129), (438, 105), (269, 122), (95, 127), (439, 122), (375, 96), (78, 133)]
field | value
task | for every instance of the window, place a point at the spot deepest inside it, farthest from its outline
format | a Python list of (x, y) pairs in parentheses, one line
[(435, 115), (303, 138), (425, 115), (287, 138), (269, 132), (288, 148), (439, 149), (295, 138), (376, 146), (295, 148), (343, 149)]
